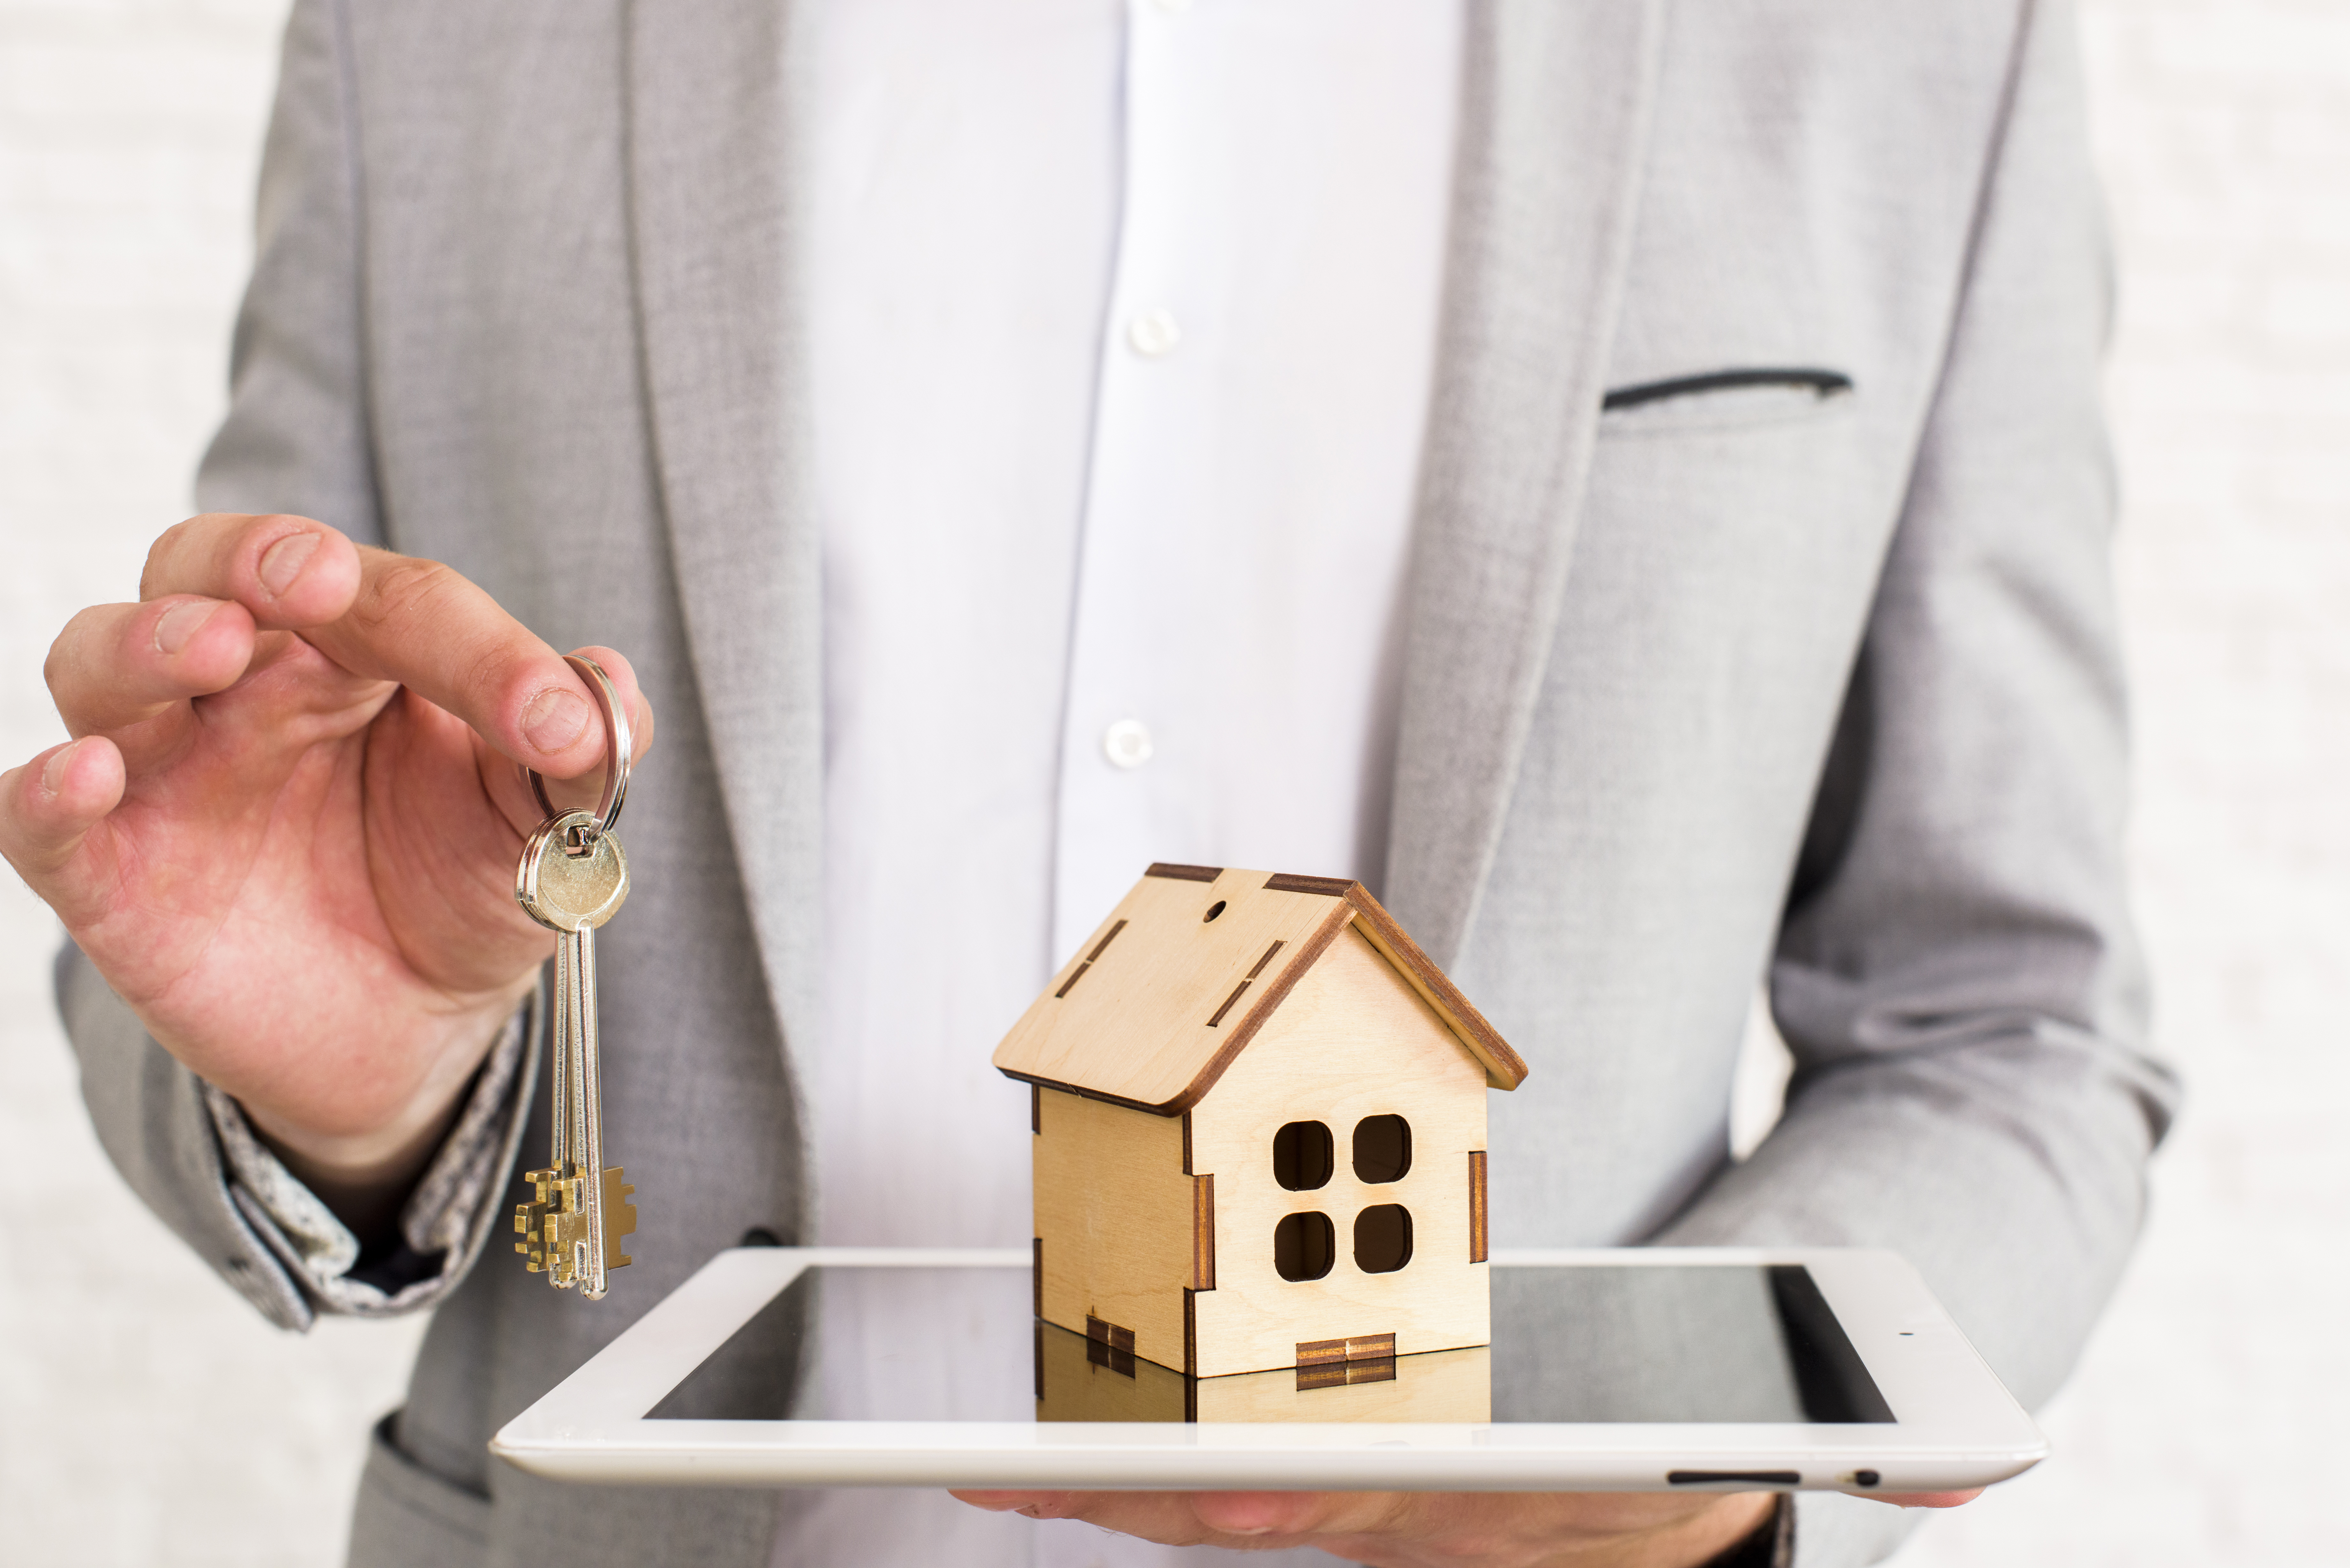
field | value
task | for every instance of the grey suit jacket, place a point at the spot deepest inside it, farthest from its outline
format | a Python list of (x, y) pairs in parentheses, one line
[(1738, 683)]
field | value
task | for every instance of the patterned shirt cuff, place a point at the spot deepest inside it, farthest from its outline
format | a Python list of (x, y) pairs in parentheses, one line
[(445, 1215)]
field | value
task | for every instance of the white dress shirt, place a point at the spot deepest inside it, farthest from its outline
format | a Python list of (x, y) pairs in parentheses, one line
[(1121, 319)]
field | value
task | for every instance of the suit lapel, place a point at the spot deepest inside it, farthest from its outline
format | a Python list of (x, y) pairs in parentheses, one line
[(707, 148), (1553, 131)]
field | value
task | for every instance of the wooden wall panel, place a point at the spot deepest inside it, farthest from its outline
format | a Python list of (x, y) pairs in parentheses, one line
[(1115, 1216), (1353, 1040)]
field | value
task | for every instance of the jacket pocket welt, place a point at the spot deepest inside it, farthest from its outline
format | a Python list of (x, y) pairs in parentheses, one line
[(1725, 399), (408, 1517)]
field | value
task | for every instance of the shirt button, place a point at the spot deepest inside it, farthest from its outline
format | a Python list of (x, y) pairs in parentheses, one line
[(1126, 743), (1154, 332)]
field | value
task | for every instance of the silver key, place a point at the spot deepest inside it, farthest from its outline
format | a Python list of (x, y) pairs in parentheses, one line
[(574, 877)]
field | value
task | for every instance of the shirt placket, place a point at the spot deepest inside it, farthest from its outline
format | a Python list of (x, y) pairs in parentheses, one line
[(1132, 780)]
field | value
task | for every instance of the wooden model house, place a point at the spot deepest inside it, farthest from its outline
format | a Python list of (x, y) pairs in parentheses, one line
[(1080, 1379), (1259, 1119)]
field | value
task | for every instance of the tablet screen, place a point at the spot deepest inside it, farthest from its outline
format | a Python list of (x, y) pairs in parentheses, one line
[(1673, 1342)]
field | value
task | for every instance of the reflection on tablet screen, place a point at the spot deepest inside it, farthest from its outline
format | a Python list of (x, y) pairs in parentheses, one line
[(1669, 1344)]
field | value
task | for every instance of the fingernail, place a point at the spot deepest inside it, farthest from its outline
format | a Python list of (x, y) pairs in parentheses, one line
[(182, 622), (554, 720), (283, 562), (53, 772)]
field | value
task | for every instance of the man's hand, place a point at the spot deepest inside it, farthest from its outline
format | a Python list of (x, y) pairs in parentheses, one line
[(286, 826), (1423, 1529), (1436, 1530)]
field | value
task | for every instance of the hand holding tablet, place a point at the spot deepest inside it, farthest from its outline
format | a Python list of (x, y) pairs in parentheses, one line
[(1421, 1529)]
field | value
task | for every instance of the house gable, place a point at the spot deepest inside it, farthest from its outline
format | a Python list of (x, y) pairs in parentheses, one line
[(1352, 1041)]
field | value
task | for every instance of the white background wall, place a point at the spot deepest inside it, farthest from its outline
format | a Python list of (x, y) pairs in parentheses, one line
[(147, 1417)]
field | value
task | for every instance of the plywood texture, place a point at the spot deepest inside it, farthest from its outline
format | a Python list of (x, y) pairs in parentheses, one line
[(1170, 997), (1447, 1386), (1114, 1221), (1137, 1029), (1353, 1040)]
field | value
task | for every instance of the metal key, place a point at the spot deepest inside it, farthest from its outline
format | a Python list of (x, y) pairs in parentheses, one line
[(574, 877)]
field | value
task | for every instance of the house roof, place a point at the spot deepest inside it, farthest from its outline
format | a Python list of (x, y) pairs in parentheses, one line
[(1187, 970)]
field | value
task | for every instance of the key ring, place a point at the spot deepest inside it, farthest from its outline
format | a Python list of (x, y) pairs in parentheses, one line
[(618, 745)]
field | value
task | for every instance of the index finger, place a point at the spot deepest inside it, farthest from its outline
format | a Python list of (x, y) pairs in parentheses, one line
[(285, 571), (427, 626)]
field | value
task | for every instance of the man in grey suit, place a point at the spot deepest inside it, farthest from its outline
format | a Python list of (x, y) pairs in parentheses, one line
[(1756, 622)]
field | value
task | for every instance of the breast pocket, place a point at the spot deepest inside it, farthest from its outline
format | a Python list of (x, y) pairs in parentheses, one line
[(1728, 398)]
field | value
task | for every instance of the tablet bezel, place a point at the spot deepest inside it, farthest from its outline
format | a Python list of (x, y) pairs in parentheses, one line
[(1957, 1426)]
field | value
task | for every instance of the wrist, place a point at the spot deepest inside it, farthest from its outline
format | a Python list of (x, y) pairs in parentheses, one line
[(363, 1161), (327, 1163)]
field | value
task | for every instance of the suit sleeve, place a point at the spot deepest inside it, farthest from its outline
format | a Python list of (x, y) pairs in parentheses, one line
[(1956, 974), (295, 440)]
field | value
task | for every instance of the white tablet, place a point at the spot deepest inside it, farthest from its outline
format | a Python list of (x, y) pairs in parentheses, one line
[(1644, 1369)]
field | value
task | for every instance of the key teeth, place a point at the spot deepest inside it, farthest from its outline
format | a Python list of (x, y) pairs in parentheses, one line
[(619, 1217), (551, 1224), (548, 1226), (530, 1220)]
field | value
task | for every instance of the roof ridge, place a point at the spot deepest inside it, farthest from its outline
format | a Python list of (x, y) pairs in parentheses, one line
[(1504, 1068)]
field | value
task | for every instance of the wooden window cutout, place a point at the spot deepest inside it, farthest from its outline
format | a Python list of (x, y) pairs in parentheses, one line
[(1305, 1246), (1382, 1149), (1383, 1237), (1302, 1157)]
